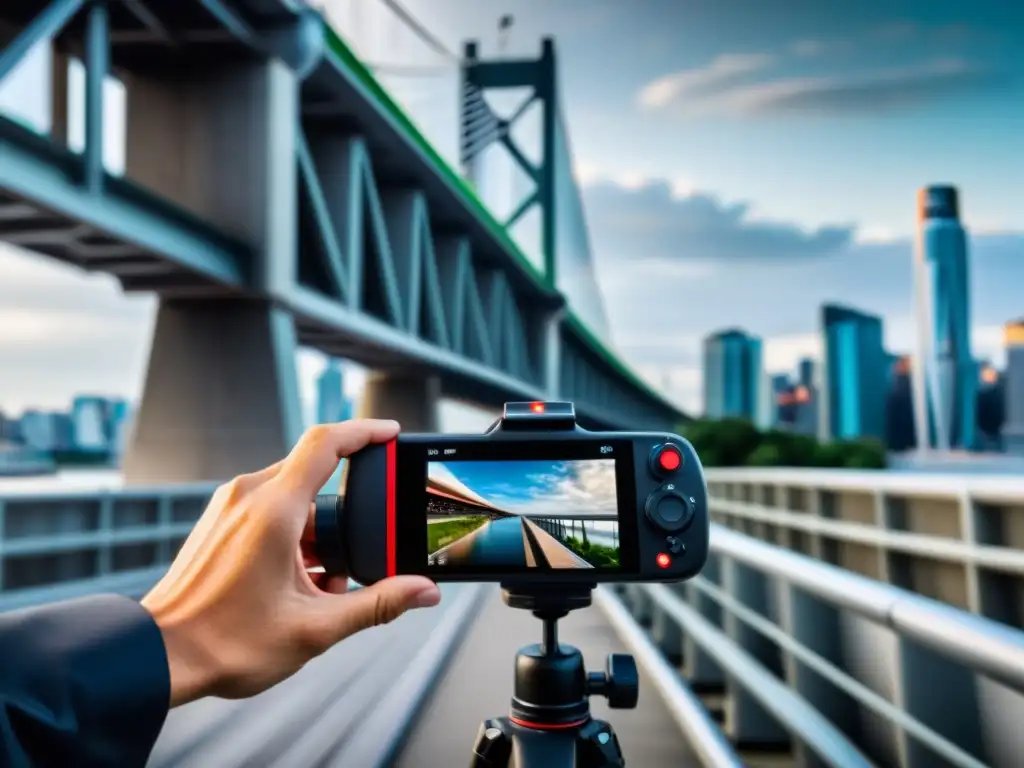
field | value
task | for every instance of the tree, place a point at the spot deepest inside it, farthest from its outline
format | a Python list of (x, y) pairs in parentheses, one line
[(737, 443)]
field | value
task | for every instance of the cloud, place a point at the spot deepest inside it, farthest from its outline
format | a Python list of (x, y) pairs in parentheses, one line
[(721, 71), (59, 324), (871, 92), (568, 488), (650, 222), (808, 48), (895, 31), (670, 277)]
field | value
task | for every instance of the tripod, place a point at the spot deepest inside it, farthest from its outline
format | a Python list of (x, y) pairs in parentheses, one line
[(549, 723)]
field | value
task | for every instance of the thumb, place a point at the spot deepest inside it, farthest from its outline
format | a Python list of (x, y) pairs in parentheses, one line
[(379, 603)]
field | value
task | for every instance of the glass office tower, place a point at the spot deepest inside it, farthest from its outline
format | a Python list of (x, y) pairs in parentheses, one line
[(945, 373), (733, 379), (855, 374), (1013, 426), (331, 404)]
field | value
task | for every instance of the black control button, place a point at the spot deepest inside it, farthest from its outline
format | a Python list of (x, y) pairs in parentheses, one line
[(675, 546), (666, 459), (669, 510)]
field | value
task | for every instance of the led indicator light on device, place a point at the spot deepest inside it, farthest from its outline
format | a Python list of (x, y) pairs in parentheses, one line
[(537, 407), (664, 561)]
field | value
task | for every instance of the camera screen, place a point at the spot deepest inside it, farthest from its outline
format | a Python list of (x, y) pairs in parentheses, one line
[(522, 514)]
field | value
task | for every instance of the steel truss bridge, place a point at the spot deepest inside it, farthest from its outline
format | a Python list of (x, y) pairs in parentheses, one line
[(275, 195), (274, 191)]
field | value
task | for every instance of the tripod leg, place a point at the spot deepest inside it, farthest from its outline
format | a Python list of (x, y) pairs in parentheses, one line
[(493, 747), (598, 746)]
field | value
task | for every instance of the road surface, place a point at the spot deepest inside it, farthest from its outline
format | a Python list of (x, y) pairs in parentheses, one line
[(506, 542)]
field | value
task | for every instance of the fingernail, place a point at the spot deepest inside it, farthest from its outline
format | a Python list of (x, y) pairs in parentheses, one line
[(427, 597)]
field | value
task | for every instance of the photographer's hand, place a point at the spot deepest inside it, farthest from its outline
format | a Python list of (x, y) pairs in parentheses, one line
[(237, 609)]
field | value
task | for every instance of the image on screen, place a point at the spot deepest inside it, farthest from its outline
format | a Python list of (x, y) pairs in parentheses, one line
[(522, 514)]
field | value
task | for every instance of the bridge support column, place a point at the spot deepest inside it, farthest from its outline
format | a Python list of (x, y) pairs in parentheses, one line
[(411, 400), (222, 144), (221, 395), (551, 357)]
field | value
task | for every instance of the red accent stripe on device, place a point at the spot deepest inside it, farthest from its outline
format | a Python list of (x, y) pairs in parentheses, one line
[(391, 522)]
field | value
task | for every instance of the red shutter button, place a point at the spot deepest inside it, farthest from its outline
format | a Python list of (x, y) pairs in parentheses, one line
[(666, 459)]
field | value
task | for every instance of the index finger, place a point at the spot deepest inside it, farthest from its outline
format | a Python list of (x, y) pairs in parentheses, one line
[(313, 460)]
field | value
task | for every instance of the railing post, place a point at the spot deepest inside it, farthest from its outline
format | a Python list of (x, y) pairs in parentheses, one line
[(968, 529), (3, 534), (666, 633), (749, 723), (699, 667), (817, 626), (105, 554), (926, 683), (163, 520)]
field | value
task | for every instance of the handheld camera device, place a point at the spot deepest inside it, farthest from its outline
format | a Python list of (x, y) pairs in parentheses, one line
[(548, 510)]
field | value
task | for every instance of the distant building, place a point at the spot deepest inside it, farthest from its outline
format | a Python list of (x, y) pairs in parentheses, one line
[(764, 409), (797, 408), (733, 376), (10, 429), (945, 374), (805, 410), (331, 403), (780, 385), (46, 431), (805, 372), (854, 375), (89, 419), (1013, 426), (990, 411), (900, 435)]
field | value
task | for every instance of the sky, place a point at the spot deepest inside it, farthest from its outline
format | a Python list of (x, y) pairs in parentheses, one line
[(542, 488), (741, 163)]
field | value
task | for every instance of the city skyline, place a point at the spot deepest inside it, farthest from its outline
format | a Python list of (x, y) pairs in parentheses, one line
[(709, 220)]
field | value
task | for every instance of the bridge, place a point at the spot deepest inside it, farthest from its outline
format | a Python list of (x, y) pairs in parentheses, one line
[(274, 191)]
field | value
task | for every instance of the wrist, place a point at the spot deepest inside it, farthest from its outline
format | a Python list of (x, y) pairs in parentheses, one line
[(190, 662)]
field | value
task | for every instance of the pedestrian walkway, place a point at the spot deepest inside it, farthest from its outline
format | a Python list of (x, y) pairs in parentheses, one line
[(478, 684)]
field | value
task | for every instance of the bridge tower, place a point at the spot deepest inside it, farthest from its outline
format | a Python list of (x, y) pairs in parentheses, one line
[(565, 243)]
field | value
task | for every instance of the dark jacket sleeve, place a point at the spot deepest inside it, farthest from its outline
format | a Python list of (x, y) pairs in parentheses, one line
[(82, 683)]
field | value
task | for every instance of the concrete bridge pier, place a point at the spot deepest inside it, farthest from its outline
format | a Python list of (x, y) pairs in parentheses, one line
[(221, 396)]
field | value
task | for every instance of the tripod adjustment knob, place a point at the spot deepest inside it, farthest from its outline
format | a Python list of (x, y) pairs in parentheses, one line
[(619, 683)]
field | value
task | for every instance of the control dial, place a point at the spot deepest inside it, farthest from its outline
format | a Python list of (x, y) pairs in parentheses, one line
[(666, 459), (669, 510)]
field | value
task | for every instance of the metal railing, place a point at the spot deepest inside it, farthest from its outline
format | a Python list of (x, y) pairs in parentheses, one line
[(958, 539), (60, 544), (844, 669), (848, 670)]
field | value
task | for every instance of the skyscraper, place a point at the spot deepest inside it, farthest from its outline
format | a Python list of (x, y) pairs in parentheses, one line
[(854, 375), (331, 403), (733, 376), (89, 423), (899, 408), (945, 374), (805, 372), (1013, 426)]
